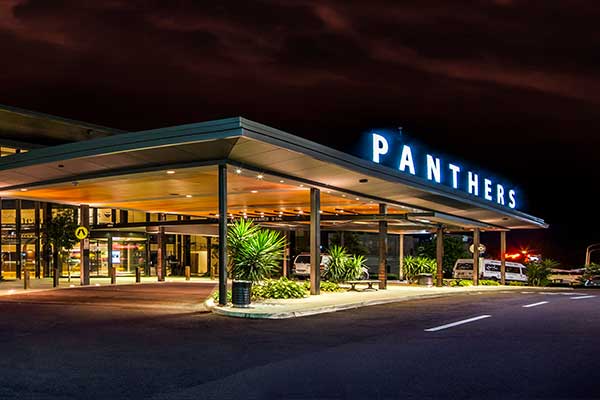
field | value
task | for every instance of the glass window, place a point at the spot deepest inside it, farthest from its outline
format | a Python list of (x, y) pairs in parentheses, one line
[(513, 270), (492, 267), (464, 266)]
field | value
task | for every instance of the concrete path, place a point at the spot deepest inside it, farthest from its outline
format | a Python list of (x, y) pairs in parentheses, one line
[(331, 302), (12, 287)]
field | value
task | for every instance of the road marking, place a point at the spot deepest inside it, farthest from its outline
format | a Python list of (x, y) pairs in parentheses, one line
[(572, 294), (535, 304), (582, 297), (526, 292), (464, 321)]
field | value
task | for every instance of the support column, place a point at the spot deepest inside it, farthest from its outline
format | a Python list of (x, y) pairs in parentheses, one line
[(439, 256), (503, 257), (476, 256), (147, 267), (286, 252), (315, 241), (161, 259), (19, 257), (38, 240), (84, 247), (109, 259), (222, 234), (401, 257), (1, 254), (209, 268), (47, 247), (383, 226)]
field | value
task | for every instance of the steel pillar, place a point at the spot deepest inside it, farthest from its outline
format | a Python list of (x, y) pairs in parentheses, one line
[(222, 234), (315, 241), (84, 247), (161, 259), (383, 239), (38, 240), (19, 255), (439, 256), (476, 256), (401, 257), (503, 257)]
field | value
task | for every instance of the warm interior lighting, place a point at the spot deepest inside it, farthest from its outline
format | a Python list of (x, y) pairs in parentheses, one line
[(254, 191), (188, 195), (170, 172), (238, 171), (259, 176)]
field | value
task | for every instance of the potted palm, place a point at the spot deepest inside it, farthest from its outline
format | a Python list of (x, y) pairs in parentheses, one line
[(255, 253)]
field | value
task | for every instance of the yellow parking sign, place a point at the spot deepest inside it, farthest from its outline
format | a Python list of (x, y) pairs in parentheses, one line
[(81, 232)]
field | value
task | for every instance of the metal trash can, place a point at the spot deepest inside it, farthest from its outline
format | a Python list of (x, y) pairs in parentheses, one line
[(424, 279), (241, 292)]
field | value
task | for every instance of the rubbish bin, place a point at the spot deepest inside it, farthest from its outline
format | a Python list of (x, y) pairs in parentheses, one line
[(424, 279)]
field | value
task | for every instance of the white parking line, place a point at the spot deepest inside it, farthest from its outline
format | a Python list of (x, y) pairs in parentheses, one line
[(464, 321), (582, 297), (535, 304)]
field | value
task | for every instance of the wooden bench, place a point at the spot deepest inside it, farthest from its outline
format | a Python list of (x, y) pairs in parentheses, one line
[(369, 282)]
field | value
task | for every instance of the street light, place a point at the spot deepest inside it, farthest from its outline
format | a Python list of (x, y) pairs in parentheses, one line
[(589, 251)]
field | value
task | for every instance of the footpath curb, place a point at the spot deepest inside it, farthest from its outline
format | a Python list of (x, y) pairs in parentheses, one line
[(229, 311)]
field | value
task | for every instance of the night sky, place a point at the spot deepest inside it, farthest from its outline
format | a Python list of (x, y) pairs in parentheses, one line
[(511, 86)]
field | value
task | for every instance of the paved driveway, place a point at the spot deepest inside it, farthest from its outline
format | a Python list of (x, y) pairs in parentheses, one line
[(179, 295)]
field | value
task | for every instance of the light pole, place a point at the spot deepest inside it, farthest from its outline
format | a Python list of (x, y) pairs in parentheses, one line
[(588, 251)]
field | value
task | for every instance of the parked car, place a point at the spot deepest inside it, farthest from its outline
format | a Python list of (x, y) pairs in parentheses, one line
[(301, 266), (593, 281)]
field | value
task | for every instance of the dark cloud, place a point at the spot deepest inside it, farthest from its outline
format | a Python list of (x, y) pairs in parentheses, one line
[(510, 85)]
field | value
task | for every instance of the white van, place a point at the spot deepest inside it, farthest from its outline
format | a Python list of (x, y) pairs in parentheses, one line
[(489, 269)]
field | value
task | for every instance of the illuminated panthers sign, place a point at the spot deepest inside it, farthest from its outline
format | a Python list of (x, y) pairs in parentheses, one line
[(392, 152)]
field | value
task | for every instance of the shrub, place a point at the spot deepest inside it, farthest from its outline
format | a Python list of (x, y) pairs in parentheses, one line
[(325, 286), (342, 266), (461, 282), (282, 288), (515, 283), (418, 265), (354, 266), (489, 282), (215, 296), (336, 270), (255, 252), (538, 272)]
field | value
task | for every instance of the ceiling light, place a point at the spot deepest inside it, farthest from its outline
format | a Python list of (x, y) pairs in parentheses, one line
[(281, 181), (170, 172), (259, 176), (343, 195), (301, 185), (238, 171), (358, 198), (254, 191), (23, 190), (188, 196)]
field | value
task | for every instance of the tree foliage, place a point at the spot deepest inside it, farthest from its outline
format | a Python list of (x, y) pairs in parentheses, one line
[(414, 266), (539, 271), (255, 253), (343, 266), (454, 248), (60, 230)]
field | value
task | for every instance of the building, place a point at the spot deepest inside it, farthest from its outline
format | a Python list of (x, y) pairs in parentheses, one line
[(170, 192)]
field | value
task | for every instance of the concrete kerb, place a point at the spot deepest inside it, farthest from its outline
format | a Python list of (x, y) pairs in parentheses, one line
[(259, 313)]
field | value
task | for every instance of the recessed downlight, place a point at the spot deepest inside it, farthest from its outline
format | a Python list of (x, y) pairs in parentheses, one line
[(170, 172)]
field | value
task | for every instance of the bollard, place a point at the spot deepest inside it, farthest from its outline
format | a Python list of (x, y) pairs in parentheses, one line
[(138, 275), (187, 273), (113, 276), (26, 280)]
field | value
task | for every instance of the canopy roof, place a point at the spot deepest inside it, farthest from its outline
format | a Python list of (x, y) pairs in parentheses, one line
[(173, 170), (29, 129)]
